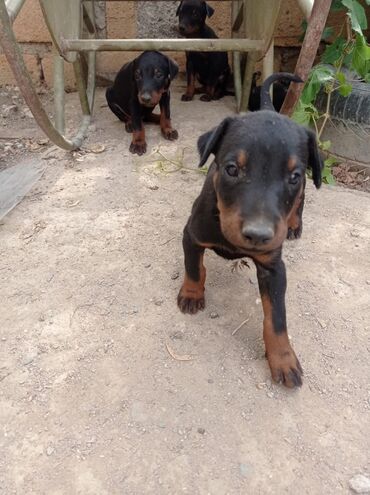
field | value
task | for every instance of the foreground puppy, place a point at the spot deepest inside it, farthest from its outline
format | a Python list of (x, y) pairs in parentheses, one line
[(251, 198), (139, 86), (210, 68)]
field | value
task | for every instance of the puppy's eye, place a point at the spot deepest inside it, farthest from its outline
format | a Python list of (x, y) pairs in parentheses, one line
[(158, 74), (232, 170), (294, 177), (137, 75)]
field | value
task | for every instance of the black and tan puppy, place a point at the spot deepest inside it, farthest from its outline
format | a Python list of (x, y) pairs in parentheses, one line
[(251, 199), (210, 68), (138, 87), (279, 92)]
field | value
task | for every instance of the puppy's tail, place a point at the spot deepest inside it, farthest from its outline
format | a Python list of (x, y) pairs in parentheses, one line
[(266, 103)]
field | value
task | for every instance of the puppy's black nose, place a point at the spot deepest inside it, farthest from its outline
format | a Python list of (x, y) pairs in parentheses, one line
[(146, 97), (258, 233), (182, 28)]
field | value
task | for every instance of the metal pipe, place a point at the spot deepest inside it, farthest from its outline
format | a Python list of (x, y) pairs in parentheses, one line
[(306, 7), (307, 54), (58, 88), (199, 45), (13, 7), (247, 80), (268, 63)]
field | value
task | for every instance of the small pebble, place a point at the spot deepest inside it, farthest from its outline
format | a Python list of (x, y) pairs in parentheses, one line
[(245, 469), (50, 450), (147, 265), (360, 483), (175, 275), (29, 357), (322, 323), (201, 431), (214, 315)]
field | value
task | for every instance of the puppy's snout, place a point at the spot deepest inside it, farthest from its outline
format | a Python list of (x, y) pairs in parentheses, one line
[(182, 28), (258, 233), (146, 98)]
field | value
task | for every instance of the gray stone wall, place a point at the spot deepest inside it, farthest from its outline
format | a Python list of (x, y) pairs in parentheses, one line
[(157, 19)]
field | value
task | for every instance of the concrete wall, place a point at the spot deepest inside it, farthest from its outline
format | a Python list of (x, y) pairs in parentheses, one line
[(136, 19)]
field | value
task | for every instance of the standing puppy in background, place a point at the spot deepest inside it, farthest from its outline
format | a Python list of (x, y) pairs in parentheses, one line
[(137, 89), (210, 68)]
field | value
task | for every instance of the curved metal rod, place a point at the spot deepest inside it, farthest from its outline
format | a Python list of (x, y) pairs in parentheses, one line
[(15, 59)]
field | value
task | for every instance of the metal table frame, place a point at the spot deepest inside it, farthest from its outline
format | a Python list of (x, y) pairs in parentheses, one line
[(71, 24)]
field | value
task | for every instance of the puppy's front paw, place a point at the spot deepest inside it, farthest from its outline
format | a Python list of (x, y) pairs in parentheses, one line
[(205, 98), (138, 148), (294, 233), (186, 97), (285, 367), (190, 305), (128, 127), (170, 134)]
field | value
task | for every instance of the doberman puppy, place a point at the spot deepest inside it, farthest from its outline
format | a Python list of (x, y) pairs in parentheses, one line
[(252, 197), (279, 91), (210, 68), (138, 87)]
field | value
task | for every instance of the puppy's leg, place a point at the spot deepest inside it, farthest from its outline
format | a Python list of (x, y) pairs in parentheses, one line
[(190, 74), (209, 95), (165, 118), (114, 106), (282, 360), (191, 296), (138, 144)]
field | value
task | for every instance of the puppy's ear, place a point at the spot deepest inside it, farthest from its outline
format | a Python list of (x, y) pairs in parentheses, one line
[(210, 141), (178, 9), (315, 162), (210, 11), (173, 68)]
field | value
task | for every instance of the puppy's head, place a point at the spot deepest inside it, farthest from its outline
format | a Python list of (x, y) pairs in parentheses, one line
[(261, 160), (153, 72), (192, 16)]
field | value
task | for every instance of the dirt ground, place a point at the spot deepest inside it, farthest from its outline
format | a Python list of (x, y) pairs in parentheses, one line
[(94, 397)]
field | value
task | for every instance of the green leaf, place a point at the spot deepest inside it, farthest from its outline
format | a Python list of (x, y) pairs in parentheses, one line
[(330, 161), (357, 14), (345, 89), (336, 5), (319, 75), (304, 114), (334, 51), (361, 57), (327, 173), (325, 145)]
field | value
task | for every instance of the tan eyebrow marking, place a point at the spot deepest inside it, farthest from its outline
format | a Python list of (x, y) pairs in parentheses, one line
[(242, 159)]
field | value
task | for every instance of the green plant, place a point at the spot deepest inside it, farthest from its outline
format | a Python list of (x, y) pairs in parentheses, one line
[(348, 50)]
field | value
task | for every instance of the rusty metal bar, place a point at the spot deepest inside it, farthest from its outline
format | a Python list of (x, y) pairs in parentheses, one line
[(200, 45), (308, 52), (15, 59), (58, 87)]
